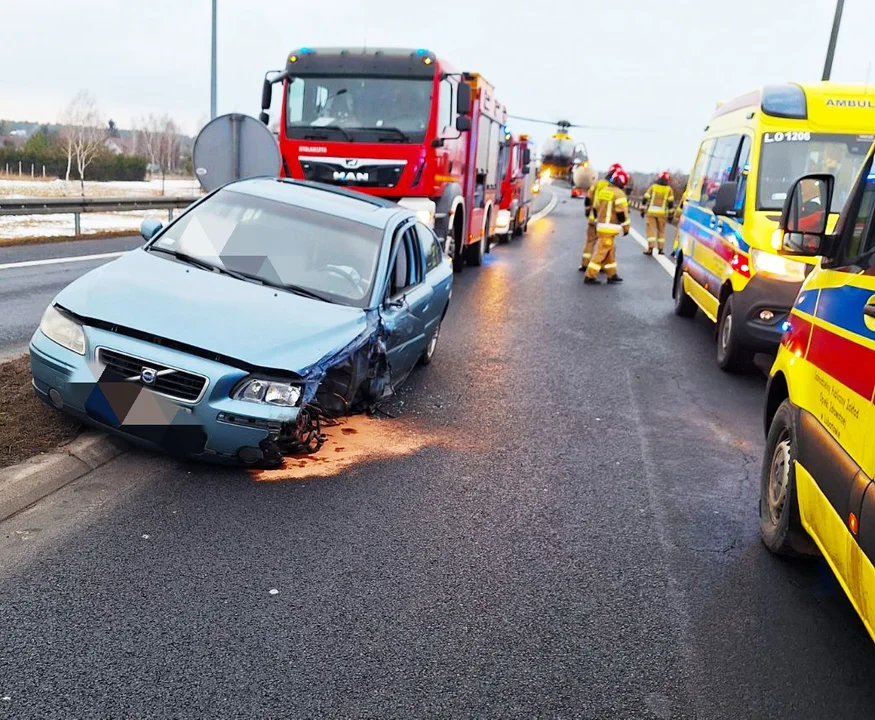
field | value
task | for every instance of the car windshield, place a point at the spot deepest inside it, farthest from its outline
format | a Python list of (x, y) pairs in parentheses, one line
[(364, 109), (279, 244), (786, 156)]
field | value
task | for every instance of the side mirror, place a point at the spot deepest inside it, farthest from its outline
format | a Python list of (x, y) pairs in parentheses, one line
[(527, 157), (463, 99), (264, 117), (527, 169), (724, 204), (802, 229), (266, 94), (149, 228), (463, 123)]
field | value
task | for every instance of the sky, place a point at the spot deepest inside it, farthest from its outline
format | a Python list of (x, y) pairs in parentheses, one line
[(655, 68)]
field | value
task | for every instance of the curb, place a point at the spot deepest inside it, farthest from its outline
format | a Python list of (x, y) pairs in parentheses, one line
[(29, 482)]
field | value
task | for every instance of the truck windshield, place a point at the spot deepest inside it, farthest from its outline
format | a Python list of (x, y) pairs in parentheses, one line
[(358, 108), (785, 156)]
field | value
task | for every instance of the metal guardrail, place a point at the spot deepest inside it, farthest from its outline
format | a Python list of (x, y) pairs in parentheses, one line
[(77, 205)]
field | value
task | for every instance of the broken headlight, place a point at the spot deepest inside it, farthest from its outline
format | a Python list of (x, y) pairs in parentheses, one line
[(268, 392)]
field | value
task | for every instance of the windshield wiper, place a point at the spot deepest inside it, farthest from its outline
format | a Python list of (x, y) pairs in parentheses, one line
[(325, 136), (382, 128), (182, 257)]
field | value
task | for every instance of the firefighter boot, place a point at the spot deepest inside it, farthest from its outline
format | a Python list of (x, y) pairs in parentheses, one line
[(589, 247)]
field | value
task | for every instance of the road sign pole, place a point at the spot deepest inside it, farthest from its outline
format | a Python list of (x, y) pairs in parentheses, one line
[(827, 67), (213, 68)]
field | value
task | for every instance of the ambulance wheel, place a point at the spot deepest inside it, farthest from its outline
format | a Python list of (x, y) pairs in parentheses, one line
[(780, 525), (684, 305), (732, 356)]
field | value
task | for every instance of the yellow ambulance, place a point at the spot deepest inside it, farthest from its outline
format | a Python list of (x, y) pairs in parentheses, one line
[(754, 148), (816, 489)]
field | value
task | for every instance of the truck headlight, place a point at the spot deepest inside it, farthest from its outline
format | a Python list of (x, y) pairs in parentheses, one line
[(268, 392), (422, 207), (777, 266), (63, 330)]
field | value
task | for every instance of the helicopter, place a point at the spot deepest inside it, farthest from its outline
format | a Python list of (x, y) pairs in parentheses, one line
[(560, 154)]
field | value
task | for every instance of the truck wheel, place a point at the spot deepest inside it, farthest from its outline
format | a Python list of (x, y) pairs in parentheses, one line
[(684, 305), (456, 251), (732, 356), (476, 252), (780, 525)]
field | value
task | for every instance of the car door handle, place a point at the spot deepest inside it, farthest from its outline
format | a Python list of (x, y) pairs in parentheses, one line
[(869, 311)]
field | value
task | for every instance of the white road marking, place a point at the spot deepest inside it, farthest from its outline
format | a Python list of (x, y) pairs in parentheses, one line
[(547, 210), (59, 261), (667, 264)]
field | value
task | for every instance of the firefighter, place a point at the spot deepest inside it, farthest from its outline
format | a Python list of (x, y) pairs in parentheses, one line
[(611, 209), (591, 236), (658, 206)]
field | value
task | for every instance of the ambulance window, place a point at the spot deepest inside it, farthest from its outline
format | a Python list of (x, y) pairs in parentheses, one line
[(699, 169), (861, 238), (740, 174), (720, 166)]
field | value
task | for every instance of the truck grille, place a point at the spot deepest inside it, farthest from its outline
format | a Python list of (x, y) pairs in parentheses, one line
[(367, 174), (171, 382)]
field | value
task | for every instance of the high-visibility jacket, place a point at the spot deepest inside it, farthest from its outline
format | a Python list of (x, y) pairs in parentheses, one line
[(611, 208), (659, 199), (590, 196)]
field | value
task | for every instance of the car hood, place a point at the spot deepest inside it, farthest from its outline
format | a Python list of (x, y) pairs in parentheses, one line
[(259, 325)]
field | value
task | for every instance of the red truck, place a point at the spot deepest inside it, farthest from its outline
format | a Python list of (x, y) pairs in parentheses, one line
[(515, 197), (400, 124)]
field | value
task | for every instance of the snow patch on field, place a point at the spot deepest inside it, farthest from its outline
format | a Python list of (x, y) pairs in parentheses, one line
[(20, 226)]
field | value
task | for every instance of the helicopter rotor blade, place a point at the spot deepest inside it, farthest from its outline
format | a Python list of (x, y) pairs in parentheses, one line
[(582, 127)]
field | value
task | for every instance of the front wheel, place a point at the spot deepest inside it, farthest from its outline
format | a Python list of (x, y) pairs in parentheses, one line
[(780, 524), (457, 252), (732, 356)]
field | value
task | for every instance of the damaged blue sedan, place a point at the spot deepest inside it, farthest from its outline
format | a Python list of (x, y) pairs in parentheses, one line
[(266, 307)]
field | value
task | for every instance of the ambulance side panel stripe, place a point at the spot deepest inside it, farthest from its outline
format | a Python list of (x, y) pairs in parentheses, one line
[(842, 306), (846, 361), (807, 301)]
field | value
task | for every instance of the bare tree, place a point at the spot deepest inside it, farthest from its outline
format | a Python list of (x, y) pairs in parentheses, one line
[(158, 137), (83, 133)]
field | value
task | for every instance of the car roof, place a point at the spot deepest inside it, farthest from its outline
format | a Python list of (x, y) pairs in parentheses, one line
[(326, 199)]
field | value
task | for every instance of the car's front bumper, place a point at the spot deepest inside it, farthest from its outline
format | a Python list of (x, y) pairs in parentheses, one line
[(215, 427), (764, 294)]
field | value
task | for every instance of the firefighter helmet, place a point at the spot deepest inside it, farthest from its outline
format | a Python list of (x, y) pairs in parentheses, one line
[(664, 175), (619, 177)]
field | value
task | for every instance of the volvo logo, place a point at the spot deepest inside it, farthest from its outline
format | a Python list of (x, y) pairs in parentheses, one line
[(148, 376), (351, 175)]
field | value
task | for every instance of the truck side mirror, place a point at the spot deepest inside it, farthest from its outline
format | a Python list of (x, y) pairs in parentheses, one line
[(527, 157), (266, 95), (527, 169), (802, 229), (463, 99), (724, 204), (463, 123), (264, 117)]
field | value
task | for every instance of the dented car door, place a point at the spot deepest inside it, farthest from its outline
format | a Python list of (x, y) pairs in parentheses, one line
[(407, 303)]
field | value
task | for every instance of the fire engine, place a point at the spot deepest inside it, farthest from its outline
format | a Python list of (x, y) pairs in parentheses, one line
[(397, 123), (515, 198)]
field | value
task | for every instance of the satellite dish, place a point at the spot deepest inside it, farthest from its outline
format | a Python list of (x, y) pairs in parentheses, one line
[(232, 147)]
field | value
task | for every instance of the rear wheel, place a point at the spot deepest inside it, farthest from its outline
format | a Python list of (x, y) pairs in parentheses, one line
[(780, 524), (476, 251), (428, 353), (684, 305), (732, 356)]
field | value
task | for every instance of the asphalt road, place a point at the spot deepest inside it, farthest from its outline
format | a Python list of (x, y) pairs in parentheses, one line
[(577, 538)]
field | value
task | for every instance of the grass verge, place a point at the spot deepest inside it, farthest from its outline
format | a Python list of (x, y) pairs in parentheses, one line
[(27, 426)]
